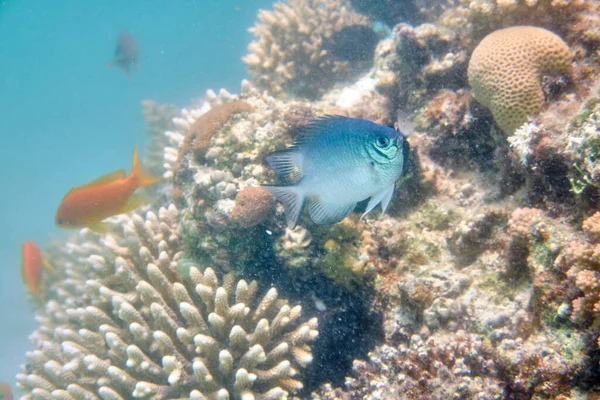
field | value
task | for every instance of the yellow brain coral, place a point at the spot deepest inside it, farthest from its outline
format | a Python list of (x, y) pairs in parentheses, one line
[(507, 68)]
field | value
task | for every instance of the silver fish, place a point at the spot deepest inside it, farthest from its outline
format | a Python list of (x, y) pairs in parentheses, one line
[(335, 163)]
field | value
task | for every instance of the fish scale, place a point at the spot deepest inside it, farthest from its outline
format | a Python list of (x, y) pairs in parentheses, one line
[(337, 162)]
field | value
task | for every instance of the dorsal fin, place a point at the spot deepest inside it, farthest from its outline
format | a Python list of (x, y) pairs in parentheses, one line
[(315, 127), (108, 178)]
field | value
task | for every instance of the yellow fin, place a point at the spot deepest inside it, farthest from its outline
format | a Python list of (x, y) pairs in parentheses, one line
[(100, 227), (134, 202), (143, 177), (113, 176), (47, 265), (38, 294)]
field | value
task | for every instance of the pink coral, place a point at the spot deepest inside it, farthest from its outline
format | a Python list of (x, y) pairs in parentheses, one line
[(458, 365), (581, 260)]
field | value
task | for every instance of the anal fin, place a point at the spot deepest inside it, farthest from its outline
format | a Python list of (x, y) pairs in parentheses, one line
[(292, 199), (328, 213), (47, 265), (134, 202), (100, 227)]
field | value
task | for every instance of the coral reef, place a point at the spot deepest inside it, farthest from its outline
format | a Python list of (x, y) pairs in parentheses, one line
[(441, 368), (507, 68), (556, 153), (390, 12), (198, 137), (581, 263), (427, 58), (233, 167), (491, 282), (129, 320), (424, 70), (158, 119), (290, 55), (478, 283)]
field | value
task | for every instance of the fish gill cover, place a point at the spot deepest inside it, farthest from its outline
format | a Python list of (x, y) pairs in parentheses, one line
[(479, 282)]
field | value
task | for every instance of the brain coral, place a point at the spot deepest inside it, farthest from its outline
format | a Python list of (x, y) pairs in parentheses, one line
[(506, 71), (124, 321)]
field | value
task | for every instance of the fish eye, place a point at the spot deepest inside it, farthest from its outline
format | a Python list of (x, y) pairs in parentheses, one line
[(59, 222), (382, 142)]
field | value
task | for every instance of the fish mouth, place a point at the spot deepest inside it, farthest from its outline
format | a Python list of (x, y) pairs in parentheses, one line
[(61, 223)]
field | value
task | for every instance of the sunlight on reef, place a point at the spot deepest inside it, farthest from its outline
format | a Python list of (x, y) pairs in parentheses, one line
[(480, 282)]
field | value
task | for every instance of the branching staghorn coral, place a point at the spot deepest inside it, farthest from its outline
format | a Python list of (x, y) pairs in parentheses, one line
[(158, 118), (140, 327), (289, 54)]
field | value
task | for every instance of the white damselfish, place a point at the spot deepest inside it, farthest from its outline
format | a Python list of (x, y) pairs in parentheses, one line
[(335, 163)]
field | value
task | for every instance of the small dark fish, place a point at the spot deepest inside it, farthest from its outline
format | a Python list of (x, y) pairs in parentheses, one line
[(353, 43), (126, 52), (335, 163)]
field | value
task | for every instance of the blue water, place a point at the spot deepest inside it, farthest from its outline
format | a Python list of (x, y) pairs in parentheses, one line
[(67, 118)]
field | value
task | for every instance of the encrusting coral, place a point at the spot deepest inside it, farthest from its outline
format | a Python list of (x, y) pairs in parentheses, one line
[(128, 320), (581, 262), (198, 137), (440, 368), (290, 56), (507, 68)]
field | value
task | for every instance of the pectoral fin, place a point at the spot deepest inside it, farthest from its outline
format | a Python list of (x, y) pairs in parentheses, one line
[(326, 213)]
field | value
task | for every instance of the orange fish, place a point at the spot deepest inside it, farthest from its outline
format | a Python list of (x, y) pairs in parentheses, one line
[(31, 268), (5, 393), (110, 195)]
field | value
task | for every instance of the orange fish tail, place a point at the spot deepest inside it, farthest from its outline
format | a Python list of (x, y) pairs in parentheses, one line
[(5, 393), (141, 176)]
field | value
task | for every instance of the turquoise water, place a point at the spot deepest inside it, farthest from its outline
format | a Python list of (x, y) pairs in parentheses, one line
[(67, 118)]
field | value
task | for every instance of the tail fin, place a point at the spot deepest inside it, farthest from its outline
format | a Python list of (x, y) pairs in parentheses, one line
[(292, 199), (138, 172)]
